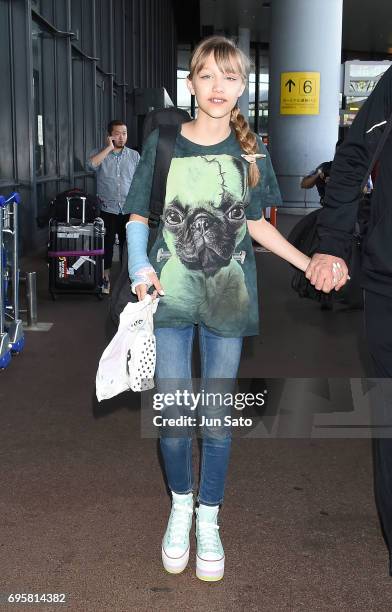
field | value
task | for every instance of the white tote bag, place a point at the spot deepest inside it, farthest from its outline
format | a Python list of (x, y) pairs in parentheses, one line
[(128, 362)]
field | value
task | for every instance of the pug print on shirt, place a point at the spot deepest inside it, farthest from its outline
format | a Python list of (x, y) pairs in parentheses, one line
[(203, 254), (204, 223)]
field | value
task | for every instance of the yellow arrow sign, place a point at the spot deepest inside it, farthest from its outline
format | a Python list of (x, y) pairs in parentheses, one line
[(299, 93)]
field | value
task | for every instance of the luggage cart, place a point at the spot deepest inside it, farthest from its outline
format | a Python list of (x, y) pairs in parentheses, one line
[(10, 240), (5, 350)]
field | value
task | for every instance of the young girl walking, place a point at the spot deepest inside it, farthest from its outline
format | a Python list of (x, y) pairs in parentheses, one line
[(203, 266)]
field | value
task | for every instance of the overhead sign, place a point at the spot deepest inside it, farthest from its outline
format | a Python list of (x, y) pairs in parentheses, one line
[(361, 77), (299, 93)]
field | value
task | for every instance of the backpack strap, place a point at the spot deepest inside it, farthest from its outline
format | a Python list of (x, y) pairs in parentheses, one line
[(164, 154), (378, 151)]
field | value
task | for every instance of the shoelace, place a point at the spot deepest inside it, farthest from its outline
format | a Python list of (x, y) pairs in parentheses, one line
[(208, 536), (179, 523)]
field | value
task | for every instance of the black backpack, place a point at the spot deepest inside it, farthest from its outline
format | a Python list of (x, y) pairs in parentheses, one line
[(58, 206), (167, 121), (164, 116)]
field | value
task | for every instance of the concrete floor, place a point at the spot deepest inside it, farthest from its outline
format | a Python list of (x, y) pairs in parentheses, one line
[(84, 505)]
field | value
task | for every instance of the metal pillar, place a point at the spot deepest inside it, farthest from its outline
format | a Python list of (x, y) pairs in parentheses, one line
[(30, 278), (305, 37)]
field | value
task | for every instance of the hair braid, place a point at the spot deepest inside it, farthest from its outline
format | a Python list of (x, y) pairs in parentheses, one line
[(248, 142)]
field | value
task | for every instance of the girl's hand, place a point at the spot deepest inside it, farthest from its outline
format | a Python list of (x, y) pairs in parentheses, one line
[(141, 289), (306, 263)]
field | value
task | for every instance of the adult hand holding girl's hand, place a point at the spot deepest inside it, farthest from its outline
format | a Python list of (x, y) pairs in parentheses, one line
[(327, 272)]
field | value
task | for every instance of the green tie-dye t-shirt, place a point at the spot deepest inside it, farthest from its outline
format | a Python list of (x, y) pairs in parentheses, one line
[(203, 253)]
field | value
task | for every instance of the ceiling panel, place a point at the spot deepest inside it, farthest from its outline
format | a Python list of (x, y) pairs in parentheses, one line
[(367, 24)]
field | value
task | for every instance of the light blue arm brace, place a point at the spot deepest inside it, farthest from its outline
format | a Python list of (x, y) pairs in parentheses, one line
[(138, 263)]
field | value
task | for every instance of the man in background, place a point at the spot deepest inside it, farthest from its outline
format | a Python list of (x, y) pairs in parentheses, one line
[(319, 177), (114, 166)]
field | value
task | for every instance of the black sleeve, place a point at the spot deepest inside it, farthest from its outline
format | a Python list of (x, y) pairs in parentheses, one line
[(336, 220), (313, 172)]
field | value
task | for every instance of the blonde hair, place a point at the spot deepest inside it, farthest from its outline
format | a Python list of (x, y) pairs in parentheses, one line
[(229, 58)]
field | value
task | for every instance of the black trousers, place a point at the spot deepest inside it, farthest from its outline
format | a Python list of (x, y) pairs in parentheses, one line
[(378, 321), (114, 224)]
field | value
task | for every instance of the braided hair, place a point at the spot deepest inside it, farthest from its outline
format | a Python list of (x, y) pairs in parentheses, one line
[(247, 141)]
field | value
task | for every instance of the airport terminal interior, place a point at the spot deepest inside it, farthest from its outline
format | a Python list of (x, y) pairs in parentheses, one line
[(84, 501)]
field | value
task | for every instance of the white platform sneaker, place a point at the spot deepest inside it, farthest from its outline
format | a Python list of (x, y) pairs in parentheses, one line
[(210, 557), (175, 544)]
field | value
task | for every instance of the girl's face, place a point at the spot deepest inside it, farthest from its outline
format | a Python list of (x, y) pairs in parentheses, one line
[(216, 92)]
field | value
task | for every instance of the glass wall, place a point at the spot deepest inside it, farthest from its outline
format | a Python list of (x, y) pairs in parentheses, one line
[(360, 79), (38, 104), (184, 98), (258, 92), (67, 68)]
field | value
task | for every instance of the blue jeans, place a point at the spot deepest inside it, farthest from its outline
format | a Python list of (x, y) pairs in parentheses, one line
[(220, 359)]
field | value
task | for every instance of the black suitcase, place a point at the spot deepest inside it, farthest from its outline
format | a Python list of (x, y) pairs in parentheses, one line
[(75, 254)]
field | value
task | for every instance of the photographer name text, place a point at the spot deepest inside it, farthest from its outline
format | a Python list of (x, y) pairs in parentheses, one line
[(189, 421)]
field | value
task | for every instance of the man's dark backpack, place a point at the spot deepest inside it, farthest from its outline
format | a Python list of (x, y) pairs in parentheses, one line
[(304, 236), (167, 121), (58, 208)]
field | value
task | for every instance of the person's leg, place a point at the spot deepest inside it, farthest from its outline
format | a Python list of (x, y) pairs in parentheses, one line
[(378, 322), (173, 373), (122, 220), (220, 359), (110, 221)]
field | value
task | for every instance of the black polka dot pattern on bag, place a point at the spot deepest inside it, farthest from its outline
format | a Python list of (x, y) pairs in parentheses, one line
[(145, 365), (129, 357)]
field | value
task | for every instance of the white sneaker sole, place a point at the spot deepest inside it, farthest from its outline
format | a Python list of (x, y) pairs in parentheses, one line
[(175, 565), (210, 571)]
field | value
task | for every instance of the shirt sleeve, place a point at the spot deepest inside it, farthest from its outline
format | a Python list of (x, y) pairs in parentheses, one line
[(138, 198), (336, 221), (313, 172), (266, 193), (89, 165), (135, 157)]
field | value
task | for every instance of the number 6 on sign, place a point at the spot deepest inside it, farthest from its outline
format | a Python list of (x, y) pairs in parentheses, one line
[(307, 86)]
